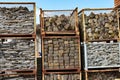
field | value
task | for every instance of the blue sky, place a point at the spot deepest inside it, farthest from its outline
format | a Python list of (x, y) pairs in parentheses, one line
[(67, 4)]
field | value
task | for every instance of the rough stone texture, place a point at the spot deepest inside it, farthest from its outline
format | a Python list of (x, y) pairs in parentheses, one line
[(62, 77), (103, 76), (60, 53), (17, 54), (59, 23), (16, 20), (100, 25), (18, 78), (103, 54)]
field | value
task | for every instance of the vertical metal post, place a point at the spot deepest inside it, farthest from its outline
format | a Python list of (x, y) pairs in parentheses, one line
[(76, 21), (84, 27), (86, 75), (118, 23), (85, 56)]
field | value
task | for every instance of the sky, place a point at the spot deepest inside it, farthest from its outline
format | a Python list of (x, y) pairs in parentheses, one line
[(66, 4)]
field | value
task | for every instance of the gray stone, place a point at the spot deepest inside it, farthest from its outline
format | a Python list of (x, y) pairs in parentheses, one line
[(102, 55), (16, 56)]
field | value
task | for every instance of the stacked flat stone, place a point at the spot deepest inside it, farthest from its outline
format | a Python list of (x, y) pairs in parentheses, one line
[(61, 53), (103, 54), (59, 23), (62, 77), (100, 25), (18, 78), (16, 20), (17, 54), (103, 76)]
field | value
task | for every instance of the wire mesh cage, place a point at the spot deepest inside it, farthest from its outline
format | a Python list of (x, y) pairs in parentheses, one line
[(102, 55), (27, 77), (61, 52), (17, 54), (104, 75), (61, 21), (71, 76), (99, 24), (17, 18)]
